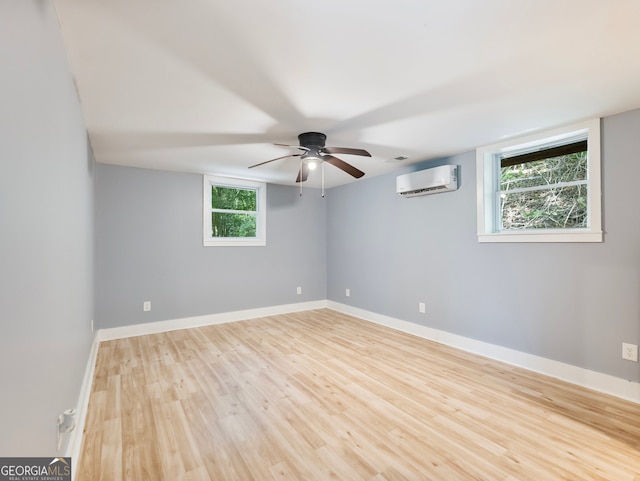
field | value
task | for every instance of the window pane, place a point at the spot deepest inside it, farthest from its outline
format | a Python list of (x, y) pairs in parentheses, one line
[(565, 168), (233, 225), (556, 208), (232, 198)]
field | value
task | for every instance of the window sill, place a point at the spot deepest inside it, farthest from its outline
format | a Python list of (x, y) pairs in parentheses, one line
[(553, 236), (233, 243)]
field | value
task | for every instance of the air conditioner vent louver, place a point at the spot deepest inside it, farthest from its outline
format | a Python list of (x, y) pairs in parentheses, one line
[(427, 190), (429, 181)]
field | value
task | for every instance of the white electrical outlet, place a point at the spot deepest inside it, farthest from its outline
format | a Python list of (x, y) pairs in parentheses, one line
[(422, 308), (299, 290), (347, 292), (146, 307), (630, 352)]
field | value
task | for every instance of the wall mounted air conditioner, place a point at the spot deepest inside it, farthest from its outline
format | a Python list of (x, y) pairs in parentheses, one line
[(429, 181)]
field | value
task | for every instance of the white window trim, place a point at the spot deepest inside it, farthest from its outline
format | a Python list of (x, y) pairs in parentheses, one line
[(486, 166), (261, 216)]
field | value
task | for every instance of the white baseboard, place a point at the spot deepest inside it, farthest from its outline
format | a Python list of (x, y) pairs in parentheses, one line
[(593, 380), (75, 442), (199, 321)]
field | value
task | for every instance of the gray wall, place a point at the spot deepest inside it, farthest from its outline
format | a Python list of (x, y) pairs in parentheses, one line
[(46, 225), (575, 303), (149, 230)]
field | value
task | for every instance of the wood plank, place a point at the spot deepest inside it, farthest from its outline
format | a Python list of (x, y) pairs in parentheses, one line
[(320, 395)]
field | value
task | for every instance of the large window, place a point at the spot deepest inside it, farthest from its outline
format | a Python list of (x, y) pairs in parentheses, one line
[(234, 212), (543, 188)]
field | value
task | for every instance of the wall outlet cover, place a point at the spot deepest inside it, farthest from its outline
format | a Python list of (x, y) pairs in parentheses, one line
[(630, 352)]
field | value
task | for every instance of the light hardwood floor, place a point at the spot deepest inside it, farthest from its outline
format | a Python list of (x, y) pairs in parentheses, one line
[(319, 395)]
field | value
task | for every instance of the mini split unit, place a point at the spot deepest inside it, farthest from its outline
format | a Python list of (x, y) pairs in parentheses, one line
[(430, 181)]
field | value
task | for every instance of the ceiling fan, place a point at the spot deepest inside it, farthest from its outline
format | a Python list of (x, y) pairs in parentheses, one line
[(315, 152)]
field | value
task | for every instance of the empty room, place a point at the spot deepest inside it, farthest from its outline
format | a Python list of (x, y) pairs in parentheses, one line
[(292, 240)]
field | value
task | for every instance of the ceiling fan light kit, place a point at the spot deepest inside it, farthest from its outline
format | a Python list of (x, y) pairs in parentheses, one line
[(314, 152)]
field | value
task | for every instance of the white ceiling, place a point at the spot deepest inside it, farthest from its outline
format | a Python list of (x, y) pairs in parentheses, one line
[(210, 85)]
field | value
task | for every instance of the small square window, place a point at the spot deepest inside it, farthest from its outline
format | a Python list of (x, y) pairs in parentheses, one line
[(543, 188), (234, 212)]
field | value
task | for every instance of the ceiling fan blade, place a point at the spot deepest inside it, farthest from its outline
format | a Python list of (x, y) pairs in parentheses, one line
[(341, 164), (346, 150), (303, 173), (277, 158)]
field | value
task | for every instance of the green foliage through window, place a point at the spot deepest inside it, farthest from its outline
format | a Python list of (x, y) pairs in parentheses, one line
[(232, 198), (545, 194), (233, 212), (233, 225)]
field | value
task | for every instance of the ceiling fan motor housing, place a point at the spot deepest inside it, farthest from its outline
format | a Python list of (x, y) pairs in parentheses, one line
[(312, 139)]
